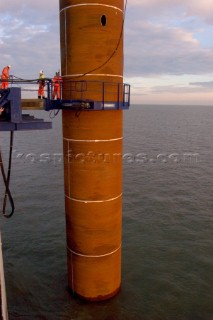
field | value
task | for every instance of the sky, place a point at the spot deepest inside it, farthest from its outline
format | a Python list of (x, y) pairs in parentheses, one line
[(168, 46)]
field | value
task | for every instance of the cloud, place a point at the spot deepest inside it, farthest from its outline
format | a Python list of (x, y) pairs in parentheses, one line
[(156, 49), (195, 94), (166, 37), (154, 43), (207, 85), (198, 8), (202, 9), (29, 36)]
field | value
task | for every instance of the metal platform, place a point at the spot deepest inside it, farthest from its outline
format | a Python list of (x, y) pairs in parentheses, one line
[(28, 123), (83, 105), (89, 95), (12, 118)]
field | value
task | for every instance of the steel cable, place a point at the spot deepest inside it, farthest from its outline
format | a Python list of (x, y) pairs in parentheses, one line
[(6, 179)]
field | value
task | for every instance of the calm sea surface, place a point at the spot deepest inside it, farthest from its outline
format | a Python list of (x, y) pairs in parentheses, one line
[(167, 263)]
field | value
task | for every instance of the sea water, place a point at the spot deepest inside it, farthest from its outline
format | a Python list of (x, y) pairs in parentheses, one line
[(167, 264)]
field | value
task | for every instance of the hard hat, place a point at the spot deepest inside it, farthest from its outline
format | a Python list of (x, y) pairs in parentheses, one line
[(41, 71), (9, 66)]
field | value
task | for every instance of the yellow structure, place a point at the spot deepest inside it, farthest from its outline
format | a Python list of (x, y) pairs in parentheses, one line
[(92, 69), (32, 104)]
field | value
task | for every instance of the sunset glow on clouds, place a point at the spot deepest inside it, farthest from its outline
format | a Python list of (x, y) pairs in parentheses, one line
[(168, 46)]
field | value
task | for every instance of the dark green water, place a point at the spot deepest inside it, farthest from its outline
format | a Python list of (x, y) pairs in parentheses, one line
[(167, 264)]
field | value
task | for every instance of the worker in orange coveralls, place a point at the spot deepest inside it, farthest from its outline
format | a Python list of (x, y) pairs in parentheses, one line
[(41, 87), (56, 82), (5, 76)]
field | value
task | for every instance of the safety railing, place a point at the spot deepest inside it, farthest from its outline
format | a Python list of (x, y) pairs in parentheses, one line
[(29, 87), (73, 93), (99, 94)]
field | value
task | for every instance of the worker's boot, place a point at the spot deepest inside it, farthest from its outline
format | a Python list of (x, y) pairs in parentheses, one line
[(39, 97)]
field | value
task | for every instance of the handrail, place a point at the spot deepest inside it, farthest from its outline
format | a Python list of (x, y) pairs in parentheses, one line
[(102, 94), (105, 92)]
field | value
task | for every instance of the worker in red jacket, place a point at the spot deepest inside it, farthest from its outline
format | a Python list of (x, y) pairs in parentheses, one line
[(5, 76), (56, 83), (41, 85)]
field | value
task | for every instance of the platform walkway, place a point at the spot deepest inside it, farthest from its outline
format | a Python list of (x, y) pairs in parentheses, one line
[(32, 104)]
